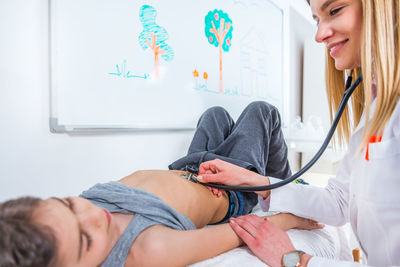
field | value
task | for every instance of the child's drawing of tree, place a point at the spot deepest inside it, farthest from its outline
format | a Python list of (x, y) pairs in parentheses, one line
[(218, 31), (154, 37)]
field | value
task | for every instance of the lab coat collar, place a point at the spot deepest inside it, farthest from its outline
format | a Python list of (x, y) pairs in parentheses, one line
[(393, 124), (361, 124)]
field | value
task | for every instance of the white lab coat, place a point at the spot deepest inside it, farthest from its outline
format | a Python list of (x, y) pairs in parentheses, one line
[(364, 193)]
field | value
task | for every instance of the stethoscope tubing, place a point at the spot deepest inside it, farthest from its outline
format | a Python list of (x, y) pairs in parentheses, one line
[(346, 96)]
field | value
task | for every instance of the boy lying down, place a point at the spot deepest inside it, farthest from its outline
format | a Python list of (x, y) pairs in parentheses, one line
[(152, 217)]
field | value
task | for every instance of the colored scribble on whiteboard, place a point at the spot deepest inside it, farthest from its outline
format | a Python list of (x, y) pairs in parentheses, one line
[(218, 30), (200, 83), (122, 71), (154, 37)]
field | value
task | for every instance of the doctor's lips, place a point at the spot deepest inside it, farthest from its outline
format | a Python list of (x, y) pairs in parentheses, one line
[(335, 47)]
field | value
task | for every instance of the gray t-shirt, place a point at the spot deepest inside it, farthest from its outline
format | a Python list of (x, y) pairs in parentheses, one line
[(148, 209)]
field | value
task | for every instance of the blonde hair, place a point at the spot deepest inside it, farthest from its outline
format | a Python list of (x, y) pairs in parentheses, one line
[(380, 58)]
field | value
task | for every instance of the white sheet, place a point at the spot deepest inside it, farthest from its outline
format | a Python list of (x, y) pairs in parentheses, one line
[(330, 242)]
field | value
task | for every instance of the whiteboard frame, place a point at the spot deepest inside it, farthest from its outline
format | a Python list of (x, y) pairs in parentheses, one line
[(56, 127)]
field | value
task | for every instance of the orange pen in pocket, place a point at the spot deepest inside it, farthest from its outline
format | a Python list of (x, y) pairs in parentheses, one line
[(372, 139)]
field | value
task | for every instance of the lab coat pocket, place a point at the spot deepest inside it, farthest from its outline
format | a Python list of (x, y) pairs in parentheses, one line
[(384, 149), (381, 172)]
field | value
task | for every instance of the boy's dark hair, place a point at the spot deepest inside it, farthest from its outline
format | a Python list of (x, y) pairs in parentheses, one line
[(22, 241)]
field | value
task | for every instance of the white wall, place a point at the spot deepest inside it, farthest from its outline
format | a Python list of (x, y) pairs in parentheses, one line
[(34, 161), (302, 7), (301, 31)]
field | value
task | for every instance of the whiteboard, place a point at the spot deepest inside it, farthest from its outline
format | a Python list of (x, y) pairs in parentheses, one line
[(131, 64)]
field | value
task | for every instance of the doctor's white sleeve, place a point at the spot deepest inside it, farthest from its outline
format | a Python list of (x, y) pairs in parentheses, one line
[(318, 261), (327, 205)]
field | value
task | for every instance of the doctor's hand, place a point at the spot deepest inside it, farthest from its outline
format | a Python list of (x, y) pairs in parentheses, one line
[(221, 172), (265, 240)]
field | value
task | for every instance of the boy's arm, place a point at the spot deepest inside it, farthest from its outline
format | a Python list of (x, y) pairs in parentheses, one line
[(162, 246)]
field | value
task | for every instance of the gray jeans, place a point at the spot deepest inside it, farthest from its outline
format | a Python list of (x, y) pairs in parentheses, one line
[(254, 142)]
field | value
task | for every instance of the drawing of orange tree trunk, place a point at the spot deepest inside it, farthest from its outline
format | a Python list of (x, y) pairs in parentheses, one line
[(154, 37), (218, 31)]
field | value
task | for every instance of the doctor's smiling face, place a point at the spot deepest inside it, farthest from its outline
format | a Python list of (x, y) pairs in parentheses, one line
[(339, 28), (85, 233)]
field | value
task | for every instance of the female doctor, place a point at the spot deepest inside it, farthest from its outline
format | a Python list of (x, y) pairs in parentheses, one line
[(360, 35)]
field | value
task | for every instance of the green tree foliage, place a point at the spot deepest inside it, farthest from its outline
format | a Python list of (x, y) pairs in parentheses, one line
[(218, 29), (154, 36)]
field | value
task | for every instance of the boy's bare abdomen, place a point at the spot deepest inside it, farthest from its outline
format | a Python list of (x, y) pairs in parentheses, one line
[(191, 199)]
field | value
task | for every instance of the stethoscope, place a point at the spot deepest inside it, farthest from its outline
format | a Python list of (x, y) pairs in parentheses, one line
[(348, 91)]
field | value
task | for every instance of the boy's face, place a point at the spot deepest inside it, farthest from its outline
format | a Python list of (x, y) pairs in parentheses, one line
[(85, 233)]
